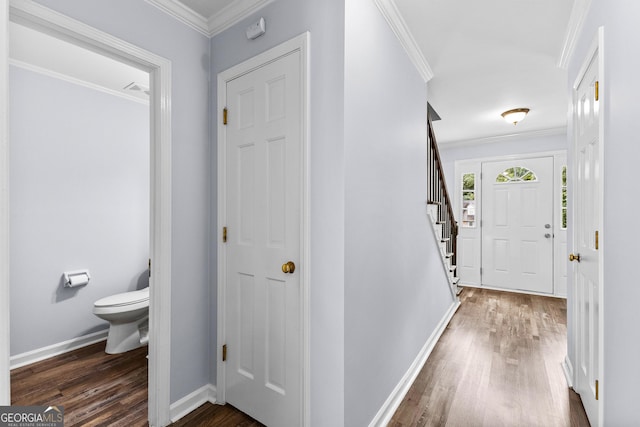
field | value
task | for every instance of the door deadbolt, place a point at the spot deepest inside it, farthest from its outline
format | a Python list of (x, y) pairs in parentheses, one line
[(573, 257)]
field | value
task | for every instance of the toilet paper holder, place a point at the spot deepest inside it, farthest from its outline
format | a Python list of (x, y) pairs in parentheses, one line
[(76, 278)]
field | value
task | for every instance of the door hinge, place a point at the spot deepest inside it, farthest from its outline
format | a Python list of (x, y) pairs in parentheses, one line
[(224, 353), (597, 390), (597, 240), (597, 90), (224, 234), (149, 267), (224, 116)]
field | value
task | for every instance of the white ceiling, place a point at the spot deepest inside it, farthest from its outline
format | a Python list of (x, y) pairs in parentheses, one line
[(480, 57), (207, 8), (491, 56)]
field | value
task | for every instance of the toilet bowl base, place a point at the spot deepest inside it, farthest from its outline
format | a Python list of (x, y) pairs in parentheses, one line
[(124, 337)]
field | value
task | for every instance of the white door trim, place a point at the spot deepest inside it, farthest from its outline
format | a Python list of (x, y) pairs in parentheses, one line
[(5, 379), (513, 157), (596, 48), (301, 44), (35, 15)]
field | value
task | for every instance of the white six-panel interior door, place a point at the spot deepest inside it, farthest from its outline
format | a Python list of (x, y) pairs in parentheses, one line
[(517, 224), (586, 238), (263, 309)]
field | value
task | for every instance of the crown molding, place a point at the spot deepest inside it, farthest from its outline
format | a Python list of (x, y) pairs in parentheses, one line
[(215, 24), (504, 138), (183, 14), (233, 13), (73, 80), (576, 20), (391, 13)]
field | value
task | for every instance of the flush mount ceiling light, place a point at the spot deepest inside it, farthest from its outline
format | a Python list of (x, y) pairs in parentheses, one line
[(515, 115)]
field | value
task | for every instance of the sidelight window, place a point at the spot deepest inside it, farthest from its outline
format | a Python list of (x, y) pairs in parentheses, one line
[(564, 198), (468, 200)]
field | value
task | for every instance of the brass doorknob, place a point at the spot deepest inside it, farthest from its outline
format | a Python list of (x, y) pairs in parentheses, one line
[(288, 267), (573, 257)]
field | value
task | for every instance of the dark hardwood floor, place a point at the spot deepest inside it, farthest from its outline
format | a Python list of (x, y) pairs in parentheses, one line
[(497, 364), (95, 388), (210, 415), (99, 389)]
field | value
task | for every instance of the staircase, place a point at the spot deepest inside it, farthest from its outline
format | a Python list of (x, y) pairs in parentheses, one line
[(440, 212)]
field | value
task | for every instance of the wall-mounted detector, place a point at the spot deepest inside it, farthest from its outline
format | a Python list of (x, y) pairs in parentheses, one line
[(256, 29)]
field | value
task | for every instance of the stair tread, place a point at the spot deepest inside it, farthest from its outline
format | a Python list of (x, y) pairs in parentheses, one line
[(452, 268), (445, 239), (433, 202), (448, 255)]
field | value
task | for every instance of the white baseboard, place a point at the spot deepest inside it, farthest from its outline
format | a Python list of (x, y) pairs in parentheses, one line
[(43, 353), (392, 403), (192, 401), (567, 368)]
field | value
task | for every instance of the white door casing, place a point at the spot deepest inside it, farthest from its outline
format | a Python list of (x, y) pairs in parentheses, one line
[(44, 19), (470, 235), (587, 233), (262, 310), (5, 379), (517, 226)]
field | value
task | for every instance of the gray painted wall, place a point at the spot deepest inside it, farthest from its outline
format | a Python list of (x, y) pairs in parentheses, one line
[(367, 175), (143, 25), (619, 238), (79, 199), (396, 290), (286, 19)]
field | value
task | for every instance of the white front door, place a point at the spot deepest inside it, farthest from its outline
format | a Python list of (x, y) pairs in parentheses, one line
[(263, 202), (586, 236), (517, 224)]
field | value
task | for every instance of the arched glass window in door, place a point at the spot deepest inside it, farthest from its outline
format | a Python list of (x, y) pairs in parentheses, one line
[(516, 174)]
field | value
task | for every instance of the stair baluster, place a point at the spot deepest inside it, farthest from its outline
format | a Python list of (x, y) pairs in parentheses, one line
[(438, 195)]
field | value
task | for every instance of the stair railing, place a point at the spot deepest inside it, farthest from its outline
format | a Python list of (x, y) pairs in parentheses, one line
[(437, 194)]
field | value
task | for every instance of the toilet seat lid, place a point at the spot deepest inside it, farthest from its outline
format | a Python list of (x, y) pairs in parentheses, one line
[(125, 298)]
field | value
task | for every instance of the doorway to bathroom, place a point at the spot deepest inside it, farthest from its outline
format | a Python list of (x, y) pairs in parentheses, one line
[(79, 182), (90, 188)]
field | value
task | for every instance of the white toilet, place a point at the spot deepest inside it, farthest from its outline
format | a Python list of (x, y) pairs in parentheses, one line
[(128, 315)]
